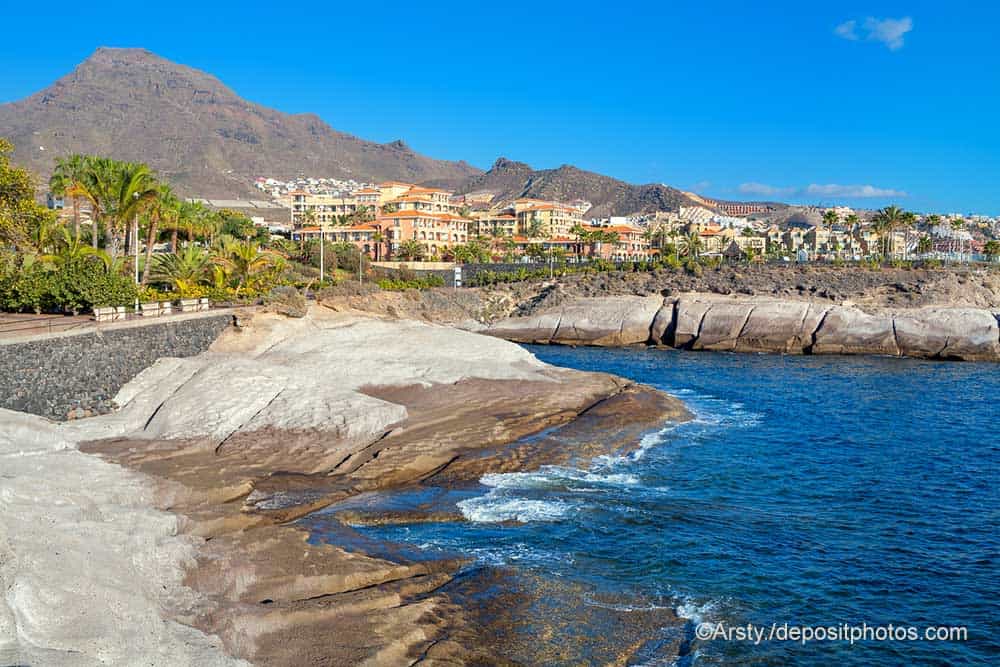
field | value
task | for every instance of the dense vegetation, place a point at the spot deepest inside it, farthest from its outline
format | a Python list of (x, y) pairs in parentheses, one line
[(88, 258)]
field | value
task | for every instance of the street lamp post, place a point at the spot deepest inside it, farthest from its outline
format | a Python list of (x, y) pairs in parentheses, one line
[(135, 241), (321, 267)]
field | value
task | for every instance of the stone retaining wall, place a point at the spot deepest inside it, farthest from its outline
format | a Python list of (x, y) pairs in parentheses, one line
[(75, 375)]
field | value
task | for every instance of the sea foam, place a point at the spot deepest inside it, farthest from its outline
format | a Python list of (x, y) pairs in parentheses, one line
[(495, 508)]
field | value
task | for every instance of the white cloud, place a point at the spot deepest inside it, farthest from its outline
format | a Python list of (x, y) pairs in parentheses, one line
[(850, 191), (813, 190), (764, 190), (890, 32), (847, 30), (700, 185)]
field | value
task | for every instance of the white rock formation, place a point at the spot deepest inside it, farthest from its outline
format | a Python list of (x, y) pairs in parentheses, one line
[(755, 324), (89, 571), (623, 320)]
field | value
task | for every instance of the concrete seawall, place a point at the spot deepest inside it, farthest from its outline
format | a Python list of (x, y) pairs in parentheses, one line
[(76, 374), (755, 324)]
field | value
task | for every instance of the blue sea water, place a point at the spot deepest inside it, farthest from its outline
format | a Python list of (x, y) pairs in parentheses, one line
[(809, 491)]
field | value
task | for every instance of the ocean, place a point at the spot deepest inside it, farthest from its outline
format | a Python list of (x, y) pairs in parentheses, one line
[(811, 499)]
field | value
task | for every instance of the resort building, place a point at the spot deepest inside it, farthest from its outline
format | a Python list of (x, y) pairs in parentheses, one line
[(541, 219), (422, 199), (325, 209), (367, 237), (632, 242), (495, 224), (436, 232)]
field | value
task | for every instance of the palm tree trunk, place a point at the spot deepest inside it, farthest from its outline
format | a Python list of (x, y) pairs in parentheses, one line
[(94, 228), (111, 240), (173, 240), (76, 218), (150, 236)]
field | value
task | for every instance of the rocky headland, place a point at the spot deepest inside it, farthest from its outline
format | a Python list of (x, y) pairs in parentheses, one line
[(168, 531), (945, 313), (760, 324)]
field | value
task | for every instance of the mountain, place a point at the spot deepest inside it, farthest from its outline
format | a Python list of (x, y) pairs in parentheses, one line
[(507, 179), (194, 131)]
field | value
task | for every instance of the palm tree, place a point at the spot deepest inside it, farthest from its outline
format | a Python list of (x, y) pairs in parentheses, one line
[(411, 249), (183, 270), (957, 225), (924, 245), (64, 248), (604, 236), (909, 221), (165, 207), (581, 234), (887, 221), (95, 185), (509, 248), (534, 227), (690, 245), (830, 218), (132, 189), (67, 181), (117, 192), (363, 214), (46, 234), (674, 235), (244, 261), (378, 238)]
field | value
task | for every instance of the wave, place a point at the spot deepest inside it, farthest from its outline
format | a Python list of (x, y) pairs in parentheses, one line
[(556, 477), (497, 508), (696, 613), (713, 411), (627, 608), (504, 502)]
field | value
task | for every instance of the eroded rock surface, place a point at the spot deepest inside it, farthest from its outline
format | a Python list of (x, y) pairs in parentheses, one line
[(618, 321), (764, 324), (90, 573), (279, 419)]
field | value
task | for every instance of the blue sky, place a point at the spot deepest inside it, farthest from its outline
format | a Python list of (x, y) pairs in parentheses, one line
[(782, 100)]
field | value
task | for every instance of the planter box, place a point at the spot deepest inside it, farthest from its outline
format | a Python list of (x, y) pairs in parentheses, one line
[(166, 308), (106, 314), (151, 309), (120, 313), (189, 305), (204, 304)]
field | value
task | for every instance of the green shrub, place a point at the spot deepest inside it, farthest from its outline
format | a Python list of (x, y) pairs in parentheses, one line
[(83, 283), (25, 286), (72, 284)]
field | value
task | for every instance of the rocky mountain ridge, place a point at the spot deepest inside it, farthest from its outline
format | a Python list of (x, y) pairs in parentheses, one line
[(207, 141), (508, 179), (197, 133)]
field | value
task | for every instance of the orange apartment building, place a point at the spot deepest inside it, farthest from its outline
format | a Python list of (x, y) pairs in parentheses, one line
[(434, 231)]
